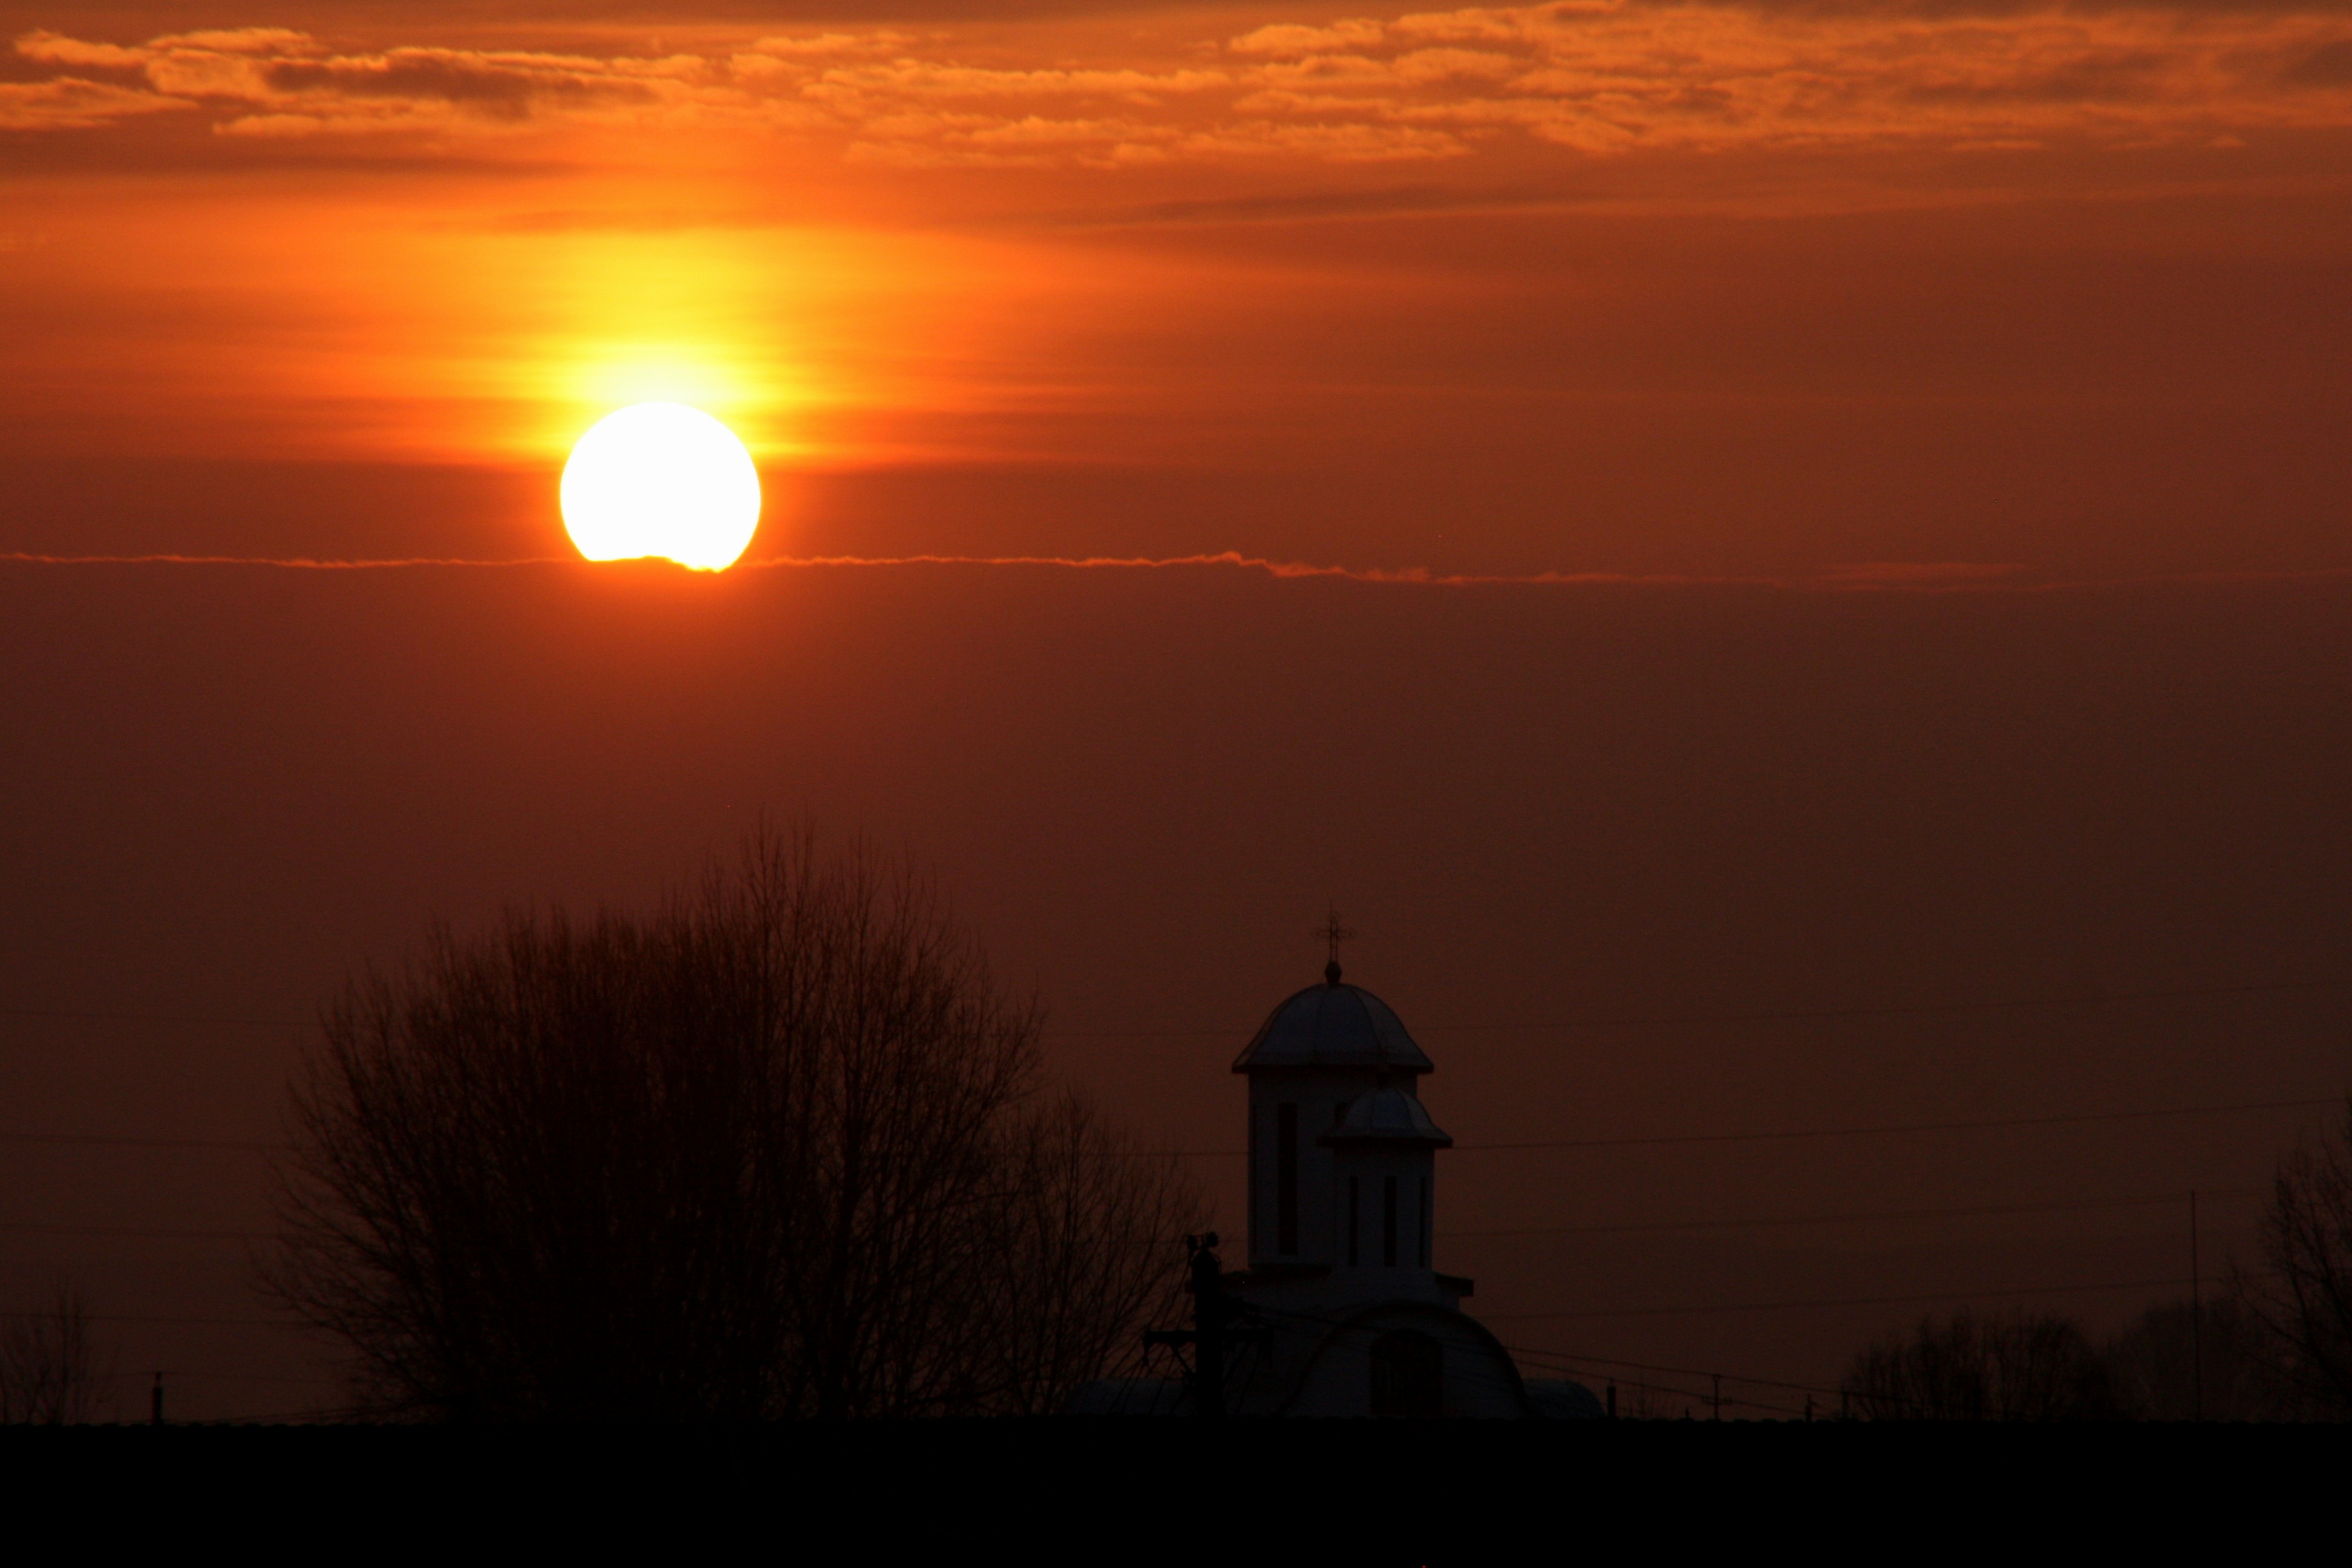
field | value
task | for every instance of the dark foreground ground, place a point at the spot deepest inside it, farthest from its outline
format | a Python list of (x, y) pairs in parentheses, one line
[(1082, 1491)]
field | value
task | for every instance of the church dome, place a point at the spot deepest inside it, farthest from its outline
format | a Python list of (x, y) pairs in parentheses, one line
[(1390, 1117), (1332, 1025)]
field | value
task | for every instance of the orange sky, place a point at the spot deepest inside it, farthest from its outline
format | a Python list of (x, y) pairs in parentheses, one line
[(1990, 297), (1588, 287)]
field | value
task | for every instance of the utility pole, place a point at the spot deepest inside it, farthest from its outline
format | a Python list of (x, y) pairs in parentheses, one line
[(1613, 1399), (155, 1403), (1214, 1315), (1718, 1395), (2196, 1316)]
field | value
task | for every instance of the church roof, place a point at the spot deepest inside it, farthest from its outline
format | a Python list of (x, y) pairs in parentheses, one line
[(1390, 1117), (1335, 1026)]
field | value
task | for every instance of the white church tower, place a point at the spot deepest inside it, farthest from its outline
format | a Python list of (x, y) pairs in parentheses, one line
[(1355, 1318), (1341, 1152)]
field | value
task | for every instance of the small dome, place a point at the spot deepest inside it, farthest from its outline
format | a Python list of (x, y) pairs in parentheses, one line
[(1388, 1116), (1335, 1026)]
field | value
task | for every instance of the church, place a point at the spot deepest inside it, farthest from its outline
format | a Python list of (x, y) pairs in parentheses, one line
[(1341, 1310)]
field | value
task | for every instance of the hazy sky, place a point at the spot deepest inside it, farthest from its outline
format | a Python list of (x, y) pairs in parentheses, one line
[(1967, 384)]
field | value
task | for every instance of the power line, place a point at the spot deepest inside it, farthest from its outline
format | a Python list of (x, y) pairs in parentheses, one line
[(1841, 1301), (2142, 1200), (185, 1322), (1561, 1361), (1857, 1132), (107, 1140), (78, 1015), (147, 1233), (1584, 1366), (1565, 1359), (2086, 999), (1917, 1126), (2137, 1200), (255, 1145)]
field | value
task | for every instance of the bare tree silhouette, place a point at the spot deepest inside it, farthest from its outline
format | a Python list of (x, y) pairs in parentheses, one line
[(1094, 1231), (2015, 1367), (53, 1370), (2303, 1294), (775, 1151)]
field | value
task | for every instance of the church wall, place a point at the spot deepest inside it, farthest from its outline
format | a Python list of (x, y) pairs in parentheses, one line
[(1320, 1096), (1322, 1364), (1361, 1179)]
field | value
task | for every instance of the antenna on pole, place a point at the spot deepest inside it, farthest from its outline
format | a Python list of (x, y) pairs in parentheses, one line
[(2195, 1317), (1216, 1317)]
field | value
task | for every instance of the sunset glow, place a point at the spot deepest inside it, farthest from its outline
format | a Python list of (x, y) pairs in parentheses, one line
[(1788, 564), (1610, 287), (661, 480)]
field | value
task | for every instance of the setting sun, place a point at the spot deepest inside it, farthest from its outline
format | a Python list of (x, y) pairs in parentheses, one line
[(661, 479)]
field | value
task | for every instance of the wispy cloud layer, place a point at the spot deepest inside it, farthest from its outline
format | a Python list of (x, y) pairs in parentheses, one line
[(1596, 76), (1882, 576)]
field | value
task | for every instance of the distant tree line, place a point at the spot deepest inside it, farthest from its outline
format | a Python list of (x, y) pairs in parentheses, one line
[(2045, 1366), (2275, 1343), (782, 1148)]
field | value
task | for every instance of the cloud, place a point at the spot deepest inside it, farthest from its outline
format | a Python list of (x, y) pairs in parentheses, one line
[(70, 103), (55, 48), (297, 563), (1588, 78), (1921, 574), (1294, 42), (2328, 65), (828, 46), (275, 81), (1902, 577), (1342, 143)]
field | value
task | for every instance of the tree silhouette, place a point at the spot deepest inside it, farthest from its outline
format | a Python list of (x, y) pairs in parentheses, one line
[(2014, 1367), (53, 1370), (778, 1149), (2183, 1360), (2303, 1295)]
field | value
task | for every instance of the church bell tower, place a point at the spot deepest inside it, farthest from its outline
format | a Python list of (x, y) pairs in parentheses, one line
[(1340, 1311), (1340, 1149)]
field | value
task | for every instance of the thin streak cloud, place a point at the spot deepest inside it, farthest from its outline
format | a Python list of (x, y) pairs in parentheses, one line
[(1912, 577)]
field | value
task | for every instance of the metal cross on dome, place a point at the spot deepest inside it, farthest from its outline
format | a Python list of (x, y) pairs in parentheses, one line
[(1332, 931)]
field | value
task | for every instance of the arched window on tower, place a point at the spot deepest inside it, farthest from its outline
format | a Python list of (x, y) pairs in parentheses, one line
[(1286, 1179), (1355, 1220), (1408, 1374), (1421, 1228)]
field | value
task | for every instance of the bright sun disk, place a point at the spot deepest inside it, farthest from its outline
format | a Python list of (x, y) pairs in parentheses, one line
[(661, 479)]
